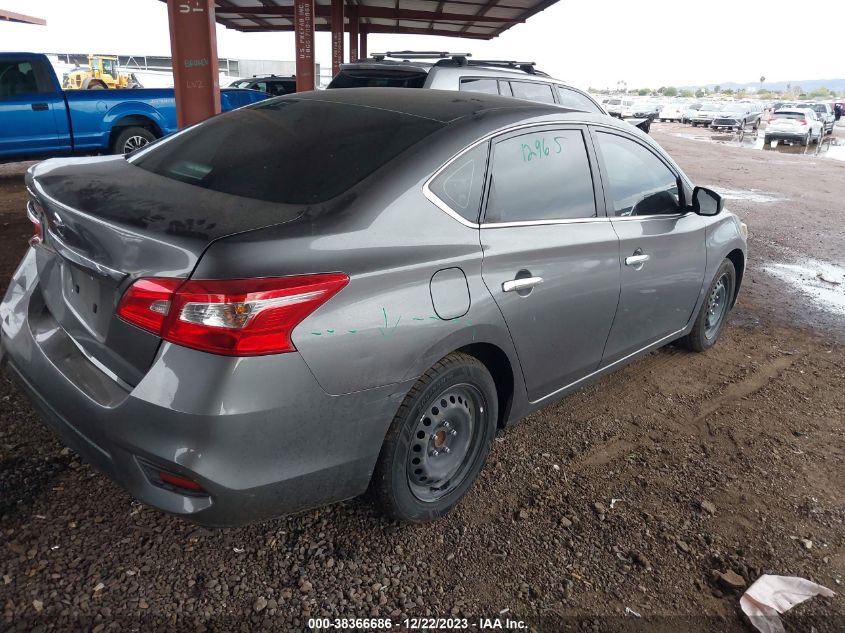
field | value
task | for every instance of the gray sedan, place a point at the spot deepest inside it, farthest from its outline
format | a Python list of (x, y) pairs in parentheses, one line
[(328, 292)]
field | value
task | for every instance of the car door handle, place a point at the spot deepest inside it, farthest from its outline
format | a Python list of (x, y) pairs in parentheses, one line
[(521, 284), (637, 260), (40, 106)]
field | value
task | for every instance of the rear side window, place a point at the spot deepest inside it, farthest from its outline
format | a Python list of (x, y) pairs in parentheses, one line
[(378, 79), (575, 100), (461, 183), (543, 175), (287, 150), (487, 86), (532, 91), (639, 183)]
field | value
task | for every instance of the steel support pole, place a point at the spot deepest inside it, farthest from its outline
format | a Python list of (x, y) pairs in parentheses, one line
[(193, 45), (353, 34), (303, 24), (338, 28), (363, 47)]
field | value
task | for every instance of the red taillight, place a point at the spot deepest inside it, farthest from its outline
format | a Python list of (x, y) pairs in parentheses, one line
[(802, 122), (179, 482), (235, 317), (147, 303), (37, 230)]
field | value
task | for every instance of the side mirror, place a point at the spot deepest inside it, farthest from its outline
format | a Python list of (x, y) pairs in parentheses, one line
[(706, 201)]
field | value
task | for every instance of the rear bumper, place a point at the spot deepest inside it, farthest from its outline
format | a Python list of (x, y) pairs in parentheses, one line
[(784, 135), (258, 434)]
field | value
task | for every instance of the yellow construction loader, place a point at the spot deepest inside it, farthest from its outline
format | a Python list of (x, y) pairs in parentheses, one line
[(102, 73)]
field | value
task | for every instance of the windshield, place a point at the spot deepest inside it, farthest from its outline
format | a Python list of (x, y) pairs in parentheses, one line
[(239, 83), (614, 101), (287, 150), (733, 107)]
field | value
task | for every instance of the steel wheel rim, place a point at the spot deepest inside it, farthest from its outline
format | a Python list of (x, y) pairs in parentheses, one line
[(133, 143), (717, 307), (446, 442)]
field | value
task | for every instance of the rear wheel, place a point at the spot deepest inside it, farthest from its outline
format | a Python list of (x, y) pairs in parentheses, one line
[(714, 311), (438, 441), (131, 138), (806, 140)]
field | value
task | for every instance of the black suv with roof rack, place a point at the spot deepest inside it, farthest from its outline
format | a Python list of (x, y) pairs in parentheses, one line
[(271, 84), (457, 71)]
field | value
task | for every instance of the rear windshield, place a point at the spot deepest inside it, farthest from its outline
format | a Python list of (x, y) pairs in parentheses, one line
[(365, 78), (293, 151), (790, 115)]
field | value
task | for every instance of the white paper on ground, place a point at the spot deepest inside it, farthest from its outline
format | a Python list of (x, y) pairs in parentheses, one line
[(771, 595)]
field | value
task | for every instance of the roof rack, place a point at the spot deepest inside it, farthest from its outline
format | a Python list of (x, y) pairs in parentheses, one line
[(459, 59), (418, 55), (526, 67)]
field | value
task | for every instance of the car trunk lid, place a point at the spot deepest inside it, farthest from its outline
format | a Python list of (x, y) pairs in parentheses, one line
[(107, 223)]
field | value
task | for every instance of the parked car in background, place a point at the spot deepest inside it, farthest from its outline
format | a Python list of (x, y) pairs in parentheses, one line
[(689, 111), (737, 116), (641, 108), (291, 303), (672, 111), (38, 118), (444, 71), (614, 105), (794, 124), (706, 114), (825, 113), (271, 84)]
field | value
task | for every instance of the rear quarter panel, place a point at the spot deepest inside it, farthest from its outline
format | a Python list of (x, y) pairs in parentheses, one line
[(382, 328)]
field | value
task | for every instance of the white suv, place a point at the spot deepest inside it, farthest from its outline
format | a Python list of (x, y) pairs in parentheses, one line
[(450, 71)]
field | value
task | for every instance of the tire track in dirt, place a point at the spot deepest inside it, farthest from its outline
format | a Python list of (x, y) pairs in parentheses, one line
[(735, 392)]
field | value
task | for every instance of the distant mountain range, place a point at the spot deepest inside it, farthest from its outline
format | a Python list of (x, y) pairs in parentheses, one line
[(807, 85)]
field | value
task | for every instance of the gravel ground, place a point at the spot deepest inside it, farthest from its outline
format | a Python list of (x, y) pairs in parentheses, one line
[(643, 502)]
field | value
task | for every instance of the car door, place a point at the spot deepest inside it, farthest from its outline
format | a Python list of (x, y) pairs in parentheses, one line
[(550, 255), (32, 114), (661, 244)]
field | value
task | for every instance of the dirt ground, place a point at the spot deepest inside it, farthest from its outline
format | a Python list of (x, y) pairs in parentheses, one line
[(617, 509)]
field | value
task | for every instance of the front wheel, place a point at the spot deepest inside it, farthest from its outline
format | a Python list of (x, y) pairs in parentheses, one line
[(714, 311), (438, 441)]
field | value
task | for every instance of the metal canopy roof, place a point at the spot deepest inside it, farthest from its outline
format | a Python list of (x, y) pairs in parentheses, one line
[(9, 16), (475, 19)]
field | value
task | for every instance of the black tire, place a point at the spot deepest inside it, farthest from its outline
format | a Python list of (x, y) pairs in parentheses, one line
[(398, 485), (766, 140), (94, 84), (131, 138), (704, 334), (806, 140)]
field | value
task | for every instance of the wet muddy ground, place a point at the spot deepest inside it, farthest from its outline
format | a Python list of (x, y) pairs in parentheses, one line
[(620, 508)]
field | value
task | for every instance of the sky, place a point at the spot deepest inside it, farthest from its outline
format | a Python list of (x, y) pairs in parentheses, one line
[(589, 44)]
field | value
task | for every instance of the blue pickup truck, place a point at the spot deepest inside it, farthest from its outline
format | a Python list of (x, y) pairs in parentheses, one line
[(38, 118)]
